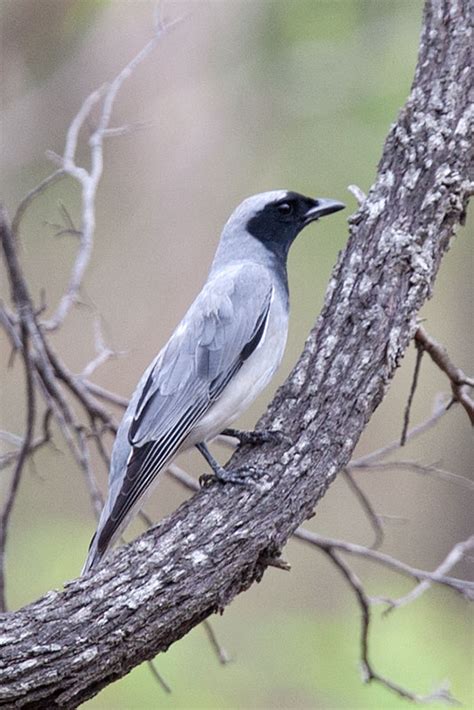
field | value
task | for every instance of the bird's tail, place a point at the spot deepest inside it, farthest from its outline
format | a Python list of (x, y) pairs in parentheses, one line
[(108, 530), (93, 556)]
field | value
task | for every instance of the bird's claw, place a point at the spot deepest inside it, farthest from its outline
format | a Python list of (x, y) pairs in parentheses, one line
[(207, 479), (242, 476)]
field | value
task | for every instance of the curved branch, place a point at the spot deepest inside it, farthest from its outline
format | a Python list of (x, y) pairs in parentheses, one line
[(460, 382), (65, 647)]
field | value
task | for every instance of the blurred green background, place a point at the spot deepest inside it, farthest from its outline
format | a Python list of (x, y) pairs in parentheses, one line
[(241, 97)]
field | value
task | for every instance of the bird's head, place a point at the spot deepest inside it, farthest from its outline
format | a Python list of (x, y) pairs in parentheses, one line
[(276, 218)]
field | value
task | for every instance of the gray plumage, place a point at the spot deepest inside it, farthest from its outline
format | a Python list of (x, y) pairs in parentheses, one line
[(219, 358)]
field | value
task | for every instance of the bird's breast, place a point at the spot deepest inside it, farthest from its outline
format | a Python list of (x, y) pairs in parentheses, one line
[(250, 380)]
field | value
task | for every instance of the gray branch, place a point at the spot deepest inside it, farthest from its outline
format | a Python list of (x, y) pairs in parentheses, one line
[(65, 647)]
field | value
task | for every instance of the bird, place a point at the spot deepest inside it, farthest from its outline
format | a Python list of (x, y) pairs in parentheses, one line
[(219, 358)]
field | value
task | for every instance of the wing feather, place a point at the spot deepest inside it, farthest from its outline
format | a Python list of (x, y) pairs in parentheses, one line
[(220, 331)]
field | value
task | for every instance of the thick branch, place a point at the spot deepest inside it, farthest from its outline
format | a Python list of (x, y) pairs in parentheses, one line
[(68, 645)]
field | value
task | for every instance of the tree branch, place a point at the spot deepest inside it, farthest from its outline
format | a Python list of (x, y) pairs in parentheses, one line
[(460, 382), (369, 674), (89, 180)]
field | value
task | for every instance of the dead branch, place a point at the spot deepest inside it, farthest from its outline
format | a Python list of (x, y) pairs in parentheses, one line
[(32, 195), (460, 382), (417, 467), (89, 180), (375, 456), (416, 373), (21, 459), (461, 586), (369, 674), (453, 557), (374, 519)]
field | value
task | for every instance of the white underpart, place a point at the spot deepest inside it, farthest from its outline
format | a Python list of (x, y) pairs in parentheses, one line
[(250, 380)]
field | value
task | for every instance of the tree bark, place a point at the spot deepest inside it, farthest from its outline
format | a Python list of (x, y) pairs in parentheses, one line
[(65, 647)]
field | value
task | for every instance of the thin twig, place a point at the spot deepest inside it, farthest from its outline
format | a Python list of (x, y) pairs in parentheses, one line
[(414, 383), (105, 394), (32, 195), (21, 298), (461, 586), (7, 321), (75, 385), (97, 435), (221, 653), (460, 382), (369, 674), (453, 557), (104, 353), (182, 477), (158, 677), (11, 456), (366, 505), (358, 193), (424, 469), (127, 129), (21, 460), (439, 411), (94, 492), (89, 180)]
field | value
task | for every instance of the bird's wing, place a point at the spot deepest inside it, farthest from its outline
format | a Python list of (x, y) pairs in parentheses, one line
[(222, 328)]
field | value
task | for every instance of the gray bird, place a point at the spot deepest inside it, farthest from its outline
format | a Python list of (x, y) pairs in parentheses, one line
[(219, 358)]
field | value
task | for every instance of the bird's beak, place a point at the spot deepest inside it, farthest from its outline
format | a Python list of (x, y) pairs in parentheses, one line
[(322, 207)]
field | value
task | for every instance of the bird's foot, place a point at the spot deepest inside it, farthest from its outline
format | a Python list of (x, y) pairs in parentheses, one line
[(242, 476), (256, 438)]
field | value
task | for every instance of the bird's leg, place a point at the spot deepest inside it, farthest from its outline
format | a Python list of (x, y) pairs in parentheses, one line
[(240, 475), (256, 438)]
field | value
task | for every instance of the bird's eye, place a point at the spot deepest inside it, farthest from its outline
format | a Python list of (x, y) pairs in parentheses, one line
[(285, 208)]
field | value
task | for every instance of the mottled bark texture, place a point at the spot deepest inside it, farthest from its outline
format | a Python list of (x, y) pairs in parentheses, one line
[(68, 645)]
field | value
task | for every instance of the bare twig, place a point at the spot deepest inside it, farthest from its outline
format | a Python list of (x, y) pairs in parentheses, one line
[(182, 477), (104, 353), (32, 195), (105, 394), (358, 193), (424, 469), (94, 409), (126, 129), (453, 557), (22, 302), (460, 382), (463, 587), (439, 411), (67, 227), (97, 435), (221, 653), (94, 491), (7, 321), (23, 328), (369, 674), (20, 462), (414, 383), (89, 180), (366, 505), (11, 456), (158, 677)]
